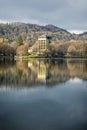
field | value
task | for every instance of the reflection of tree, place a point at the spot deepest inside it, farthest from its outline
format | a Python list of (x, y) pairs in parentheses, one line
[(58, 71), (5, 65), (36, 72), (20, 73), (77, 68)]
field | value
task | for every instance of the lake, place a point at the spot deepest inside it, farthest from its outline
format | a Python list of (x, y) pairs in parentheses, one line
[(43, 94)]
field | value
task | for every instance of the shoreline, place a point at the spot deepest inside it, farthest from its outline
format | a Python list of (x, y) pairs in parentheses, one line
[(30, 57), (37, 57)]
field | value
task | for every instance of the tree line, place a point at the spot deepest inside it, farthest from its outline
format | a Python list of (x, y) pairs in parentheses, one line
[(71, 48), (62, 48)]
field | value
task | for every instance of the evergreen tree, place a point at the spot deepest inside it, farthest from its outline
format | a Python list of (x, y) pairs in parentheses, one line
[(20, 41)]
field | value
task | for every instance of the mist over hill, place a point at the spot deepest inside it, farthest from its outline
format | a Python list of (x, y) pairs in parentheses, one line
[(31, 32)]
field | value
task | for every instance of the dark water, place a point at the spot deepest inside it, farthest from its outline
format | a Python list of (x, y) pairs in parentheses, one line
[(43, 95)]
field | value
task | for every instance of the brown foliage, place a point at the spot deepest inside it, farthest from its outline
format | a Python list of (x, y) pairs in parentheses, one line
[(22, 50)]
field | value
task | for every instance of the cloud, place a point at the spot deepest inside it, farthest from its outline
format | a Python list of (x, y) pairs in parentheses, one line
[(76, 31), (68, 14)]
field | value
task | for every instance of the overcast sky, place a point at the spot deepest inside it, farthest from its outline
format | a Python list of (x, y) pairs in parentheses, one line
[(68, 14)]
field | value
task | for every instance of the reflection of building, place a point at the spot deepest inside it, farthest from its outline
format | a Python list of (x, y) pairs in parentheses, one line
[(40, 69), (44, 41), (1, 40), (42, 73), (30, 64)]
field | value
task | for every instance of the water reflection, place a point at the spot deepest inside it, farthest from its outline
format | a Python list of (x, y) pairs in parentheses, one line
[(43, 95), (41, 71)]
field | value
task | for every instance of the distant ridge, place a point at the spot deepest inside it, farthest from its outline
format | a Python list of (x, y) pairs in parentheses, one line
[(31, 32), (82, 34), (53, 28)]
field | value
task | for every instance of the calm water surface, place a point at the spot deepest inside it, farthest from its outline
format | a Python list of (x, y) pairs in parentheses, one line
[(43, 95)]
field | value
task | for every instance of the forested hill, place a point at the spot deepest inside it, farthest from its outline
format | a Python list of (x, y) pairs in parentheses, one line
[(30, 32)]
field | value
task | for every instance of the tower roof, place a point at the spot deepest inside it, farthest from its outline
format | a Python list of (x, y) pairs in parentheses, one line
[(45, 36)]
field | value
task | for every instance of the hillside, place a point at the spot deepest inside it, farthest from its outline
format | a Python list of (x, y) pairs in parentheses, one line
[(31, 32), (83, 36)]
